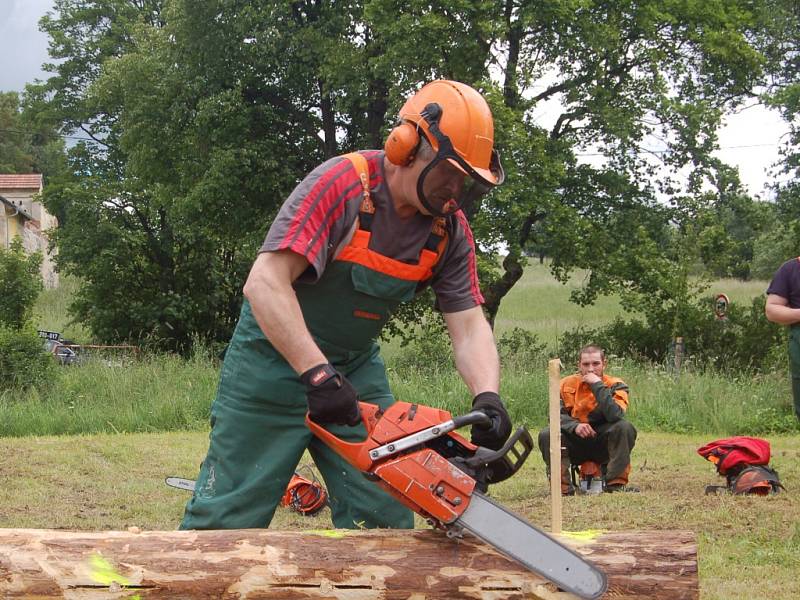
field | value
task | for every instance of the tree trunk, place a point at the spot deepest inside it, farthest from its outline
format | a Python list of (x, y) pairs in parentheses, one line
[(493, 294), (377, 564), (329, 145)]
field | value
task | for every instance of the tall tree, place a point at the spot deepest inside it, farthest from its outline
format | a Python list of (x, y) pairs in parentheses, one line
[(28, 144), (204, 115)]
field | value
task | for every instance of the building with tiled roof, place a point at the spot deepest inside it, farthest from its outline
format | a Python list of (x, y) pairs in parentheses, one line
[(22, 215), (21, 181)]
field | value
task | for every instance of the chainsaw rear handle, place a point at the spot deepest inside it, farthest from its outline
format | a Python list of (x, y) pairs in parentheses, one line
[(358, 453), (476, 417)]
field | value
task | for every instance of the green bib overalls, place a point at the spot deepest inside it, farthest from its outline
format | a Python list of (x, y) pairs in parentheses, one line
[(794, 365), (258, 432)]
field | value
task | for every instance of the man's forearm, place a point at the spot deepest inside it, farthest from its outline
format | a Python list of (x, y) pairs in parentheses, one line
[(277, 311), (783, 315), (475, 351), (568, 422), (479, 367), (611, 411)]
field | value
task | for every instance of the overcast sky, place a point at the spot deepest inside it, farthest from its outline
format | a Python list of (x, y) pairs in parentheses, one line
[(23, 48), (749, 140)]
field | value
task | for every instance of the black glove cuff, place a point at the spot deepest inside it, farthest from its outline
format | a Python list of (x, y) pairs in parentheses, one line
[(317, 376), (487, 399)]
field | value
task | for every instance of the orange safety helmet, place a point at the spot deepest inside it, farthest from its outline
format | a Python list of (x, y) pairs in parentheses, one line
[(306, 496), (457, 122), (757, 480)]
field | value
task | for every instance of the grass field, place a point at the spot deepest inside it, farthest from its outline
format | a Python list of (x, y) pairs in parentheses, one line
[(540, 304), (106, 482), (122, 429)]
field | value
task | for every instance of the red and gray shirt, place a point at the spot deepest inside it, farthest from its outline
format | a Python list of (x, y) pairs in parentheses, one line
[(318, 216)]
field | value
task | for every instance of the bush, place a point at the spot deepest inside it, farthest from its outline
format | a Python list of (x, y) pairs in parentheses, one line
[(744, 340), (521, 347), (24, 363), (20, 284), (427, 349)]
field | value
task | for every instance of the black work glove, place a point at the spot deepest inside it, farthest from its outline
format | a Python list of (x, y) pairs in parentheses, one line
[(496, 434), (331, 398)]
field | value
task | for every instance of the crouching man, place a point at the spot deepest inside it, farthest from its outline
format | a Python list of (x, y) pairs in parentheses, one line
[(597, 437)]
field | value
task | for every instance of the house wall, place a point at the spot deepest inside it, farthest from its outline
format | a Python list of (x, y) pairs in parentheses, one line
[(33, 232)]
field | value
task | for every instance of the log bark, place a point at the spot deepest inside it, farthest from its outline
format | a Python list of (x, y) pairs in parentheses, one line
[(377, 564)]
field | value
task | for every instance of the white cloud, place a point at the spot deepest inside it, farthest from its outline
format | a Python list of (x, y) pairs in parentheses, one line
[(750, 140)]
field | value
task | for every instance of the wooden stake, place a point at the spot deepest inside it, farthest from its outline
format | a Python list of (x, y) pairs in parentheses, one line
[(678, 354), (554, 372)]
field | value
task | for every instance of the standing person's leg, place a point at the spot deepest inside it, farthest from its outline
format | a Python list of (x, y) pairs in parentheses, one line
[(356, 502), (252, 455), (258, 435), (794, 366)]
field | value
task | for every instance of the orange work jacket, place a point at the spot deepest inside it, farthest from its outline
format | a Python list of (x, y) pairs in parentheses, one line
[(579, 401)]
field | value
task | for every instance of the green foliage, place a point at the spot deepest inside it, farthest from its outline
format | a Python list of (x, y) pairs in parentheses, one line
[(199, 132), (28, 144), (20, 284), (771, 250), (14, 153), (781, 241), (727, 244), (745, 340), (428, 351), (158, 393), (24, 363), (521, 347), (623, 78), (733, 402)]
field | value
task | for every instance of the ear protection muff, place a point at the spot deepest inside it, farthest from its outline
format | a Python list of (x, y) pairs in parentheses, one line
[(402, 144), (403, 141)]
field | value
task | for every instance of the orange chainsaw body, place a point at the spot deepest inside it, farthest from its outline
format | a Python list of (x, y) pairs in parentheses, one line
[(420, 478)]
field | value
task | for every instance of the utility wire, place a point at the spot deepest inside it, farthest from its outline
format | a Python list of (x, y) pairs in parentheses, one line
[(61, 135), (773, 145), (666, 151)]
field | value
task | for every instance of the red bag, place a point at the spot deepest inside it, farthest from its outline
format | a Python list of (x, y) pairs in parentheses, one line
[(733, 454)]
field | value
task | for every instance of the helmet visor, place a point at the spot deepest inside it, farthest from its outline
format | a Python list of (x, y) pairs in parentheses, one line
[(449, 183)]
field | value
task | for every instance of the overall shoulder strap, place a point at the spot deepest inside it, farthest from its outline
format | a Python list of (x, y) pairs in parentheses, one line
[(367, 209)]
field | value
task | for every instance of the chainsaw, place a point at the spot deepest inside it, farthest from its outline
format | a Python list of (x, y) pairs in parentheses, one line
[(304, 495), (413, 452)]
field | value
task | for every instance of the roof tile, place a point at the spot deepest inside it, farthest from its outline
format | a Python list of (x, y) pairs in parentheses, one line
[(27, 181)]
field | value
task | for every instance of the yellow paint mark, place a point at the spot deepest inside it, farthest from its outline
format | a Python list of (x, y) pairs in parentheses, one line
[(103, 572), (329, 533), (583, 536)]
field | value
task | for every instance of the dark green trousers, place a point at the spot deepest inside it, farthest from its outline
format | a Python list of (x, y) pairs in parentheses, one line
[(258, 436), (794, 365), (611, 447)]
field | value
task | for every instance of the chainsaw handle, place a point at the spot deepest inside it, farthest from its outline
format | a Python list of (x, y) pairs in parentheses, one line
[(476, 417), (356, 453)]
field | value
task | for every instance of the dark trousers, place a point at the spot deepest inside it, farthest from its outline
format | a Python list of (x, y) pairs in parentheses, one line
[(794, 365), (611, 447)]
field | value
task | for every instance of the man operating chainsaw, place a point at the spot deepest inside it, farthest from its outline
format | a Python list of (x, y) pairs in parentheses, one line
[(359, 235)]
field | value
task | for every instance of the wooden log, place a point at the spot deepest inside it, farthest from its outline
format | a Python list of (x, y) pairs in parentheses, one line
[(359, 565)]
